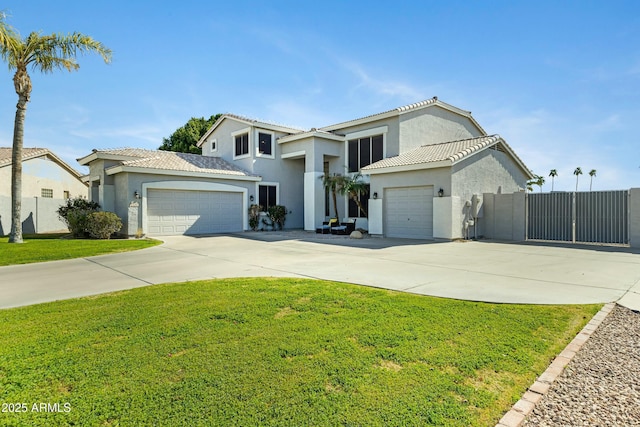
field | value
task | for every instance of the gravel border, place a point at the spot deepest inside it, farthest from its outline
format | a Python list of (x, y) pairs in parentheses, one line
[(600, 385)]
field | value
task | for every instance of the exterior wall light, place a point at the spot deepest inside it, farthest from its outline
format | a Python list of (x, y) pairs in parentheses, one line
[(251, 198), (136, 194), (375, 195), (440, 192)]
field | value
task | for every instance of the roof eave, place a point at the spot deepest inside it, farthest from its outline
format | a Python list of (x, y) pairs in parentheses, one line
[(299, 136), (155, 171), (407, 168)]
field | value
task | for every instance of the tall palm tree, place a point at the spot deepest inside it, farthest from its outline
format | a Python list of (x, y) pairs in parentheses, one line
[(553, 173), (43, 53), (592, 173), (577, 173)]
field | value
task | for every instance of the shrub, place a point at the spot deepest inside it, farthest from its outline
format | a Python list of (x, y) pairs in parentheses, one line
[(254, 216), (277, 215), (101, 225), (75, 212)]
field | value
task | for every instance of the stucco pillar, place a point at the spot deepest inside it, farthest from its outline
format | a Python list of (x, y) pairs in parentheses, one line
[(313, 200), (447, 218), (375, 217)]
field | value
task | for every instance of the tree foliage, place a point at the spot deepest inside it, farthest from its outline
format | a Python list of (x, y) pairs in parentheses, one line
[(351, 185), (184, 139)]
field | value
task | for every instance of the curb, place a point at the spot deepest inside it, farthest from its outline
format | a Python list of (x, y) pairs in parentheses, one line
[(523, 407)]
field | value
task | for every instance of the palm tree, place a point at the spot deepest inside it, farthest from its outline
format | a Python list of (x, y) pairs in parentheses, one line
[(353, 187), (577, 173), (592, 173), (553, 173), (540, 181), (43, 53), (332, 183)]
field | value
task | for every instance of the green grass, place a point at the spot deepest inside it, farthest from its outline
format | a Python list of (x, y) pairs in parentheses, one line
[(267, 351), (51, 247)]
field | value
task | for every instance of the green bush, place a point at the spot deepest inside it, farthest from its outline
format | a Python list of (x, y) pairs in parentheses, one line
[(277, 215), (75, 214), (101, 225)]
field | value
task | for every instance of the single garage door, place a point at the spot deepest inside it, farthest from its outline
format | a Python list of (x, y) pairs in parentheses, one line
[(171, 212), (408, 212)]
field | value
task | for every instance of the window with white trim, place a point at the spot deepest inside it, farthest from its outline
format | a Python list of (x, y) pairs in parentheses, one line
[(365, 151), (241, 144), (267, 196), (265, 143), (214, 145)]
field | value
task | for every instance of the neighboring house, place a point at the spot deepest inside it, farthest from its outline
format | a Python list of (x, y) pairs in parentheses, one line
[(428, 164), (46, 182)]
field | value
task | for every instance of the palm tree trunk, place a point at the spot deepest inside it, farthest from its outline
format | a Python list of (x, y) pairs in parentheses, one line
[(16, 172), (22, 83), (335, 203), (356, 199)]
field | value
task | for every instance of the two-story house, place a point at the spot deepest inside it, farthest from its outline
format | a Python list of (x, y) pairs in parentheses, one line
[(428, 165)]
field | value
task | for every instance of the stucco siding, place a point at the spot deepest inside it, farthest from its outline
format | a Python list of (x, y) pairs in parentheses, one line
[(433, 125), (438, 177), (490, 171), (42, 173)]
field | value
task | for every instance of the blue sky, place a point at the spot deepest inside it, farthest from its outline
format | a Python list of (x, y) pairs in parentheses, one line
[(560, 81)]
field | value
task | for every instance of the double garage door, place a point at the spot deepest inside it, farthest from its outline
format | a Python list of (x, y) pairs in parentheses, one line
[(171, 212), (408, 212)]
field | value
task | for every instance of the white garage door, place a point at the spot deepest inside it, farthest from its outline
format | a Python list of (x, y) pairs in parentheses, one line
[(409, 212), (193, 212)]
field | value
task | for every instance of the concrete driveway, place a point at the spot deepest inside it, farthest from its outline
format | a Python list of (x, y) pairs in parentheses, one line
[(480, 271)]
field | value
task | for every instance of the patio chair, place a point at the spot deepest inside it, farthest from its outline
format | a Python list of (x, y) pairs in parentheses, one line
[(345, 228), (327, 226)]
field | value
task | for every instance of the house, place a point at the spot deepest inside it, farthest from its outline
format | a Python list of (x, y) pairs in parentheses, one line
[(46, 182), (427, 163)]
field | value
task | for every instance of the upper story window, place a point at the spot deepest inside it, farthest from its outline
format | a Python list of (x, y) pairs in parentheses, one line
[(214, 145), (365, 151), (241, 144), (265, 143), (46, 192)]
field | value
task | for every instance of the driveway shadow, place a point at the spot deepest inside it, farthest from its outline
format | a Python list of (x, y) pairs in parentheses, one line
[(584, 246), (367, 242)]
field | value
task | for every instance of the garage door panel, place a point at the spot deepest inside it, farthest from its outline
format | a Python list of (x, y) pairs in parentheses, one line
[(409, 212), (193, 212)]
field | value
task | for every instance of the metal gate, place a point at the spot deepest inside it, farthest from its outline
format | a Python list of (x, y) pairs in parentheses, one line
[(584, 217)]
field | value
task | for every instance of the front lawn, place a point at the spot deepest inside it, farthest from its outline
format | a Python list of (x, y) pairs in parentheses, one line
[(267, 351), (51, 247)]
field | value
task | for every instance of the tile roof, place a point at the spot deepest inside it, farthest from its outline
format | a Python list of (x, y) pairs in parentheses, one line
[(32, 153), (452, 151), (27, 153), (172, 161), (404, 109)]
